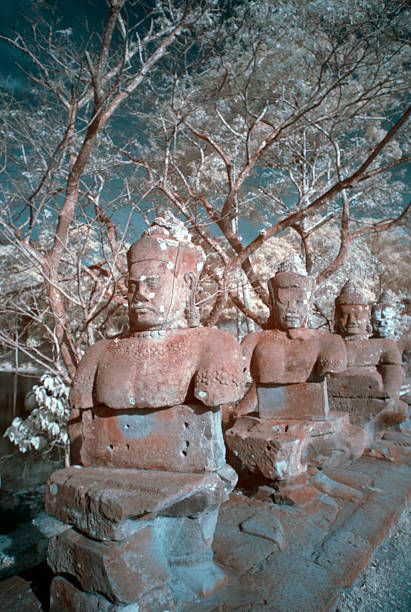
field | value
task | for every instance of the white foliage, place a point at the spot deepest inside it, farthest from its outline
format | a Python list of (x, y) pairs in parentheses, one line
[(47, 424)]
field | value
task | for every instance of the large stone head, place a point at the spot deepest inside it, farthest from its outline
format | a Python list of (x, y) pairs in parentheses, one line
[(384, 314), (164, 267), (290, 290), (352, 315)]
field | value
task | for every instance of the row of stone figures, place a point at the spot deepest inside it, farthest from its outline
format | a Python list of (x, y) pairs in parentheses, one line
[(149, 470)]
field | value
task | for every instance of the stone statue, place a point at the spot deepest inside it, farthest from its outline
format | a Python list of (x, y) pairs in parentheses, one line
[(146, 429), (290, 419), (368, 388), (384, 313)]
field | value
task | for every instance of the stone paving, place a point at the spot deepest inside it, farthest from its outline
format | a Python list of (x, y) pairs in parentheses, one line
[(295, 558)]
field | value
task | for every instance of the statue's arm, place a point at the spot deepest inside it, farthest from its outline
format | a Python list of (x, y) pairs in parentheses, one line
[(332, 355), (220, 377), (81, 394), (390, 367)]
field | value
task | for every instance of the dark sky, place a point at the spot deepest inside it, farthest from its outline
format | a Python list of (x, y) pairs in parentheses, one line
[(71, 13)]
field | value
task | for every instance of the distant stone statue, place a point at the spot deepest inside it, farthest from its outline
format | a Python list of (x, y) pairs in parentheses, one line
[(146, 429), (289, 419), (368, 388), (384, 315)]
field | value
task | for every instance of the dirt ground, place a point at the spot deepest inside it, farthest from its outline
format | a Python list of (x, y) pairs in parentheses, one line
[(385, 586)]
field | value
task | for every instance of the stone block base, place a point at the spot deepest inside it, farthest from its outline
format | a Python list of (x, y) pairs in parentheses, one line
[(370, 410), (108, 504), (167, 521), (184, 438), (299, 401), (65, 596), (281, 449)]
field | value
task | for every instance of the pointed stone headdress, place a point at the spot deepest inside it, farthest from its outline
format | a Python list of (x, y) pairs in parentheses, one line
[(388, 298), (291, 273), (351, 294), (168, 240)]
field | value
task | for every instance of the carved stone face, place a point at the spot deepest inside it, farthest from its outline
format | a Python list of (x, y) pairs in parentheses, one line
[(352, 319), (290, 307), (383, 319), (156, 299)]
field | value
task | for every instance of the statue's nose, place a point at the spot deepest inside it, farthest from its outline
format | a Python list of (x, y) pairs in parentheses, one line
[(141, 292)]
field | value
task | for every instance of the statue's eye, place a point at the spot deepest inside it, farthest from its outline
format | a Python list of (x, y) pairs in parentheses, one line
[(153, 283)]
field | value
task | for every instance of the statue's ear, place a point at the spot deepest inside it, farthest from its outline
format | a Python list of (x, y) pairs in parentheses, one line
[(190, 279)]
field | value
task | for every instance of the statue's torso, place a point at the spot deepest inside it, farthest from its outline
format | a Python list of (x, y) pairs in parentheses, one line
[(146, 373), (153, 402), (293, 357), (365, 355)]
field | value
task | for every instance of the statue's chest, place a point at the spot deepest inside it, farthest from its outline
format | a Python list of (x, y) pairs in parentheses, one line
[(283, 360), (144, 373), (362, 353)]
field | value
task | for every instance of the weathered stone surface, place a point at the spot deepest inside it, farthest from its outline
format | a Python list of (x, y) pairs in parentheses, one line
[(357, 385), (294, 491), (340, 447), (106, 503), (364, 410), (283, 448), (293, 356), (267, 448), (121, 571), (240, 549), (384, 315), (65, 596), (17, 596), (186, 438), (299, 401)]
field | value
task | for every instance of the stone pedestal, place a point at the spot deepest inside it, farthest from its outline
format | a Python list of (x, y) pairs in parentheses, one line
[(137, 537), (183, 438), (363, 398), (279, 441)]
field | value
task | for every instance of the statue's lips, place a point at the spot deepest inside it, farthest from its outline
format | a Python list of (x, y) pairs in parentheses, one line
[(142, 309)]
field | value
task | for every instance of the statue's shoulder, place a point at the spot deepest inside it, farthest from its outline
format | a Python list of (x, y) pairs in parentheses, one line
[(251, 340), (332, 353), (216, 340), (82, 386), (388, 349)]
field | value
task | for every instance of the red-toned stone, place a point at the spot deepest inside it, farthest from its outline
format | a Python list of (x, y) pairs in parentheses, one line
[(105, 503), (17, 596), (299, 401), (180, 438), (65, 596), (282, 448), (121, 571), (267, 448)]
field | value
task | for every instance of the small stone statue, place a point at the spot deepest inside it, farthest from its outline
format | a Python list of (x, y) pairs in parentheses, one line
[(384, 313), (146, 439), (289, 419), (368, 388)]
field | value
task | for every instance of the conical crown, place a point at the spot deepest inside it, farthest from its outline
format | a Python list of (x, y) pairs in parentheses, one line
[(167, 239), (351, 294)]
